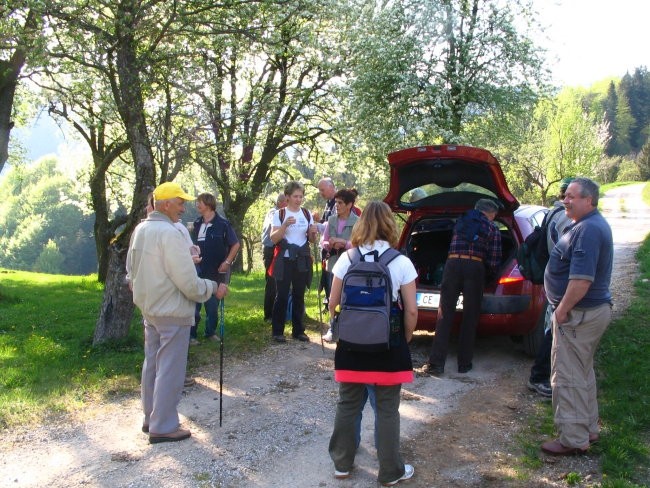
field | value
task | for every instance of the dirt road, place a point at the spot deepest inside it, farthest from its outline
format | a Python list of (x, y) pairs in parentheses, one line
[(458, 430)]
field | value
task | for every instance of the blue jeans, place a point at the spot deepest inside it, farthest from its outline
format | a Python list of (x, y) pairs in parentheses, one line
[(369, 394), (211, 317)]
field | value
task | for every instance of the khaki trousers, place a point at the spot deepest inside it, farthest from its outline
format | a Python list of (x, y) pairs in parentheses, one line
[(572, 373), (163, 373)]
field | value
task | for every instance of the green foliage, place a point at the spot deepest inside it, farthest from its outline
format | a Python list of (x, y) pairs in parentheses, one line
[(643, 162), (41, 209), (50, 260), (556, 140), (628, 170), (627, 111), (421, 73), (623, 387), (573, 478)]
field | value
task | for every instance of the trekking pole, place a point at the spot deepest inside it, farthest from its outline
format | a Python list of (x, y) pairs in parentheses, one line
[(320, 305), (221, 333)]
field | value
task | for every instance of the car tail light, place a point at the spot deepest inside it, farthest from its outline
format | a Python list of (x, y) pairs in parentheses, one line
[(513, 283)]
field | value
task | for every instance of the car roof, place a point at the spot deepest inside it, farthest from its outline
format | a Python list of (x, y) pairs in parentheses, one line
[(449, 178), (530, 210)]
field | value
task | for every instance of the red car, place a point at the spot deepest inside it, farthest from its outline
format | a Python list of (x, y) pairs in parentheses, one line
[(432, 186)]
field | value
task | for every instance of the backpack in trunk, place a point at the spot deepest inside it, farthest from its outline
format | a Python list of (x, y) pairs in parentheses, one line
[(364, 320)]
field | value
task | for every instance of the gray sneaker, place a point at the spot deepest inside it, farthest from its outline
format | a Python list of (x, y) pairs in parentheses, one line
[(408, 474), (543, 389)]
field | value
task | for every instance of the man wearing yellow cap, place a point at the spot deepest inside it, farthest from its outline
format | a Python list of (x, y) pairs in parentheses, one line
[(165, 289)]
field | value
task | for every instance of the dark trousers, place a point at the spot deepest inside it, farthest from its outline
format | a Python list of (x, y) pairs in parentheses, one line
[(466, 276), (343, 442), (541, 370), (269, 288), (296, 282), (326, 283)]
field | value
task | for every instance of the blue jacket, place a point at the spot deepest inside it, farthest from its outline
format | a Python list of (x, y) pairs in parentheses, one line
[(219, 238)]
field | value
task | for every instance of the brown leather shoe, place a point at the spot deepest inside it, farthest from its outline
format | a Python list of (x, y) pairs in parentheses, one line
[(179, 435), (555, 448)]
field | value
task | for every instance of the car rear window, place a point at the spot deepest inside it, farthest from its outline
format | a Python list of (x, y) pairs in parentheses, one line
[(434, 195)]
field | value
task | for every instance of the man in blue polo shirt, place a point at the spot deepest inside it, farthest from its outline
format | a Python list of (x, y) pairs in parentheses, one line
[(577, 282)]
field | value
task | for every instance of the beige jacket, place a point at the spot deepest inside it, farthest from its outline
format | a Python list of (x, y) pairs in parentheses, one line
[(163, 276)]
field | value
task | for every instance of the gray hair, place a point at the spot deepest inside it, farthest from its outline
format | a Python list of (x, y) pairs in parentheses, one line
[(487, 205), (281, 198), (588, 188), (327, 180)]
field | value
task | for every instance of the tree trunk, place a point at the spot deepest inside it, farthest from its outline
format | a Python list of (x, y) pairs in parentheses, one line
[(9, 71), (246, 249), (117, 306), (7, 91), (102, 225), (117, 309)]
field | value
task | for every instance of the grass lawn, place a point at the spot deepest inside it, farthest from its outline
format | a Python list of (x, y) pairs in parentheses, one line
[(49, 364)]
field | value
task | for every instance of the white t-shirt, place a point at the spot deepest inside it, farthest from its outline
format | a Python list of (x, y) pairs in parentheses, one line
[(401, 268), (296, 233)]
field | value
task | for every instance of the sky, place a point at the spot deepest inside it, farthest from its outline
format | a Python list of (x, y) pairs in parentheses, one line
[(588, 40), (595, 39)]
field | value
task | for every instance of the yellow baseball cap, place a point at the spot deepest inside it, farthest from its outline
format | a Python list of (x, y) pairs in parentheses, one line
[(169, 190)]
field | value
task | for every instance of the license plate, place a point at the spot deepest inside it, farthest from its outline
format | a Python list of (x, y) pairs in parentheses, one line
[(432, 301)]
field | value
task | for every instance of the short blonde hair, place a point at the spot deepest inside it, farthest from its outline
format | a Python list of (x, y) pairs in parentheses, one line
[(376, 223)]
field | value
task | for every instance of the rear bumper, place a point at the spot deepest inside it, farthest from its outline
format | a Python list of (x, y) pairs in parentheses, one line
[(503, 315)]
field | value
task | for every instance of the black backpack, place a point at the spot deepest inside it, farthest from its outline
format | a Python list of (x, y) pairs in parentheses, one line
[(364, 322), (532, 255)]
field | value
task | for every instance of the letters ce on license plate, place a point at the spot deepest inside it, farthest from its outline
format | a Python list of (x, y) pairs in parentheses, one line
[(432, 301)]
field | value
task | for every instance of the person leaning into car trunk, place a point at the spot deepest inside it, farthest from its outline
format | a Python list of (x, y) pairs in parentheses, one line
[(576, 280), (476, 243)]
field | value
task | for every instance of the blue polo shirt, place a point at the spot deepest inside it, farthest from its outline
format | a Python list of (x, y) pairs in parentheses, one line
[(584, 252)]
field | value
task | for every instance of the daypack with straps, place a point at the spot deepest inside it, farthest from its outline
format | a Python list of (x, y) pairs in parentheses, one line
[(364, 321), (532, 254), (469, 225)]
